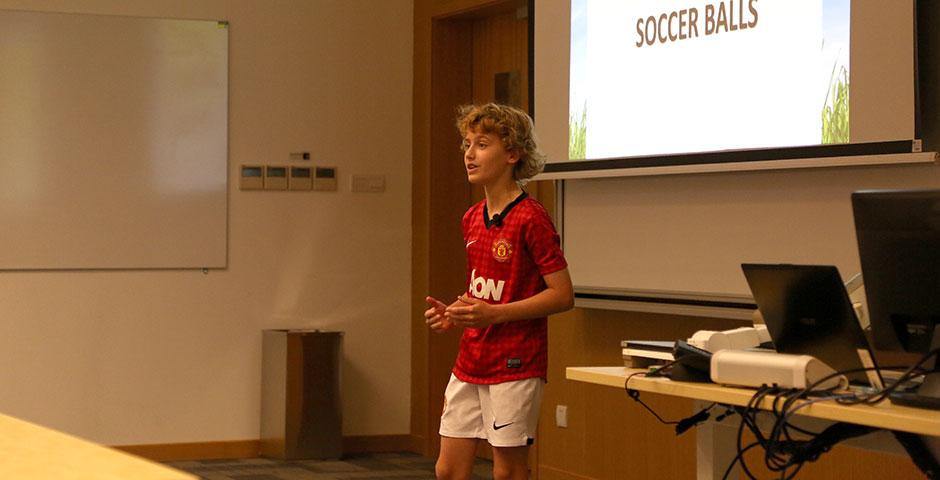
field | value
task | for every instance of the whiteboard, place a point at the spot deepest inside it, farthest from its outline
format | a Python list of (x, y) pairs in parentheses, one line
[(689, 234), (113, 142)]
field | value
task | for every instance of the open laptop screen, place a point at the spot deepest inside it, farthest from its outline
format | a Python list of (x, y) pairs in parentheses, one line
[(808, 312)]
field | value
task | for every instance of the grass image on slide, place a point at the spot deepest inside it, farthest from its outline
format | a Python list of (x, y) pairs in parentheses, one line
[(835, 113), (577, 135)]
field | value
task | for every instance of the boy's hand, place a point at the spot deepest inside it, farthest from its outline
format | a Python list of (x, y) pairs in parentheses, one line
[(471, 312), (435, 316)]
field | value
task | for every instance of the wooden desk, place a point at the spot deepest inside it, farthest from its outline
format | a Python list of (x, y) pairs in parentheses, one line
[(34, 452), (715, 442)]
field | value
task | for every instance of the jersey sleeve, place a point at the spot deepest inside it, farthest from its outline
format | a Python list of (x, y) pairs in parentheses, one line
[(544, 244)]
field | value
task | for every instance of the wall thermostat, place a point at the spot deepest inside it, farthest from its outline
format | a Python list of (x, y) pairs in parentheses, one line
[(324, 179), (275, 178), (251, 177), (300, 179)]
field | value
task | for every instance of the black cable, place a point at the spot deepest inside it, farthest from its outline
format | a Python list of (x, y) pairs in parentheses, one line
[(783, 452), (778, 412), (821, 443), (780, 455), (782, 426), (635, 394), (774, 458), (746, 420), (738, 457), (801, 451), (658, 371), (681, 425)]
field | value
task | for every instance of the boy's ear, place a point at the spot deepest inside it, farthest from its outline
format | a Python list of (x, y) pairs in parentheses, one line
[(514, 155)]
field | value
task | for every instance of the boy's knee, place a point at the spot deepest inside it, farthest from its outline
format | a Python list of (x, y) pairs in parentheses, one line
[(510, 472), (447, 471)]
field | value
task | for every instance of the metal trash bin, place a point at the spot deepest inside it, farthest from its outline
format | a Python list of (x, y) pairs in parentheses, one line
[(301, 412)]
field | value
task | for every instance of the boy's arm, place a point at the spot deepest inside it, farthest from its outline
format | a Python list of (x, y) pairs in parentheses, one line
[(557, 297)]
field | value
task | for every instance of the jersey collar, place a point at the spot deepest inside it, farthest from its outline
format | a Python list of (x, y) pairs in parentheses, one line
[(499, 217)]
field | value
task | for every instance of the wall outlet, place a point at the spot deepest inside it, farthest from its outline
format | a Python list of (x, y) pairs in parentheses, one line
[(561, 416)]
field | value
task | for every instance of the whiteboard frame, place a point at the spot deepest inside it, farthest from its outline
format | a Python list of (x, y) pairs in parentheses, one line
[(115, 140)]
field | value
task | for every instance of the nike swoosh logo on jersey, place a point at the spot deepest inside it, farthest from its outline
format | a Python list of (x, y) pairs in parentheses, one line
[(495, 427), (471, 242)]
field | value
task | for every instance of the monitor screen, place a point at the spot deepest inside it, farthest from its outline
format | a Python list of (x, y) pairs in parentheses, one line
[(898, 233)]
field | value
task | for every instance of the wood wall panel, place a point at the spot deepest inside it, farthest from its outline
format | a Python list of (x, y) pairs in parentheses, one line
[(509, 33), (450, 197)]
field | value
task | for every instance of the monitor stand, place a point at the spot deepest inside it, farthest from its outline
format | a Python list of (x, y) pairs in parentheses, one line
[(928, 394), (924, 450)]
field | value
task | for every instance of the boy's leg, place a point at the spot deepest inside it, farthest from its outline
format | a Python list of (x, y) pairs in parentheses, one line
[(511, 463), (461, 430), (511, 414), (456, 459)]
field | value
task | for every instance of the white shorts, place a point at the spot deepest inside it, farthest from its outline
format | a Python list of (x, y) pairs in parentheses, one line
[(504, 414)]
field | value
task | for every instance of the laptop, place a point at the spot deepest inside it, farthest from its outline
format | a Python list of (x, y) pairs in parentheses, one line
[(808, 312)]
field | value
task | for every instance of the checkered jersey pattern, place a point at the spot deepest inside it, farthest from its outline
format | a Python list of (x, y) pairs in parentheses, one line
[(506, 263)]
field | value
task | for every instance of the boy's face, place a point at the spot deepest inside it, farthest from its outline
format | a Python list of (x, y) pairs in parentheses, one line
[(486, 159)]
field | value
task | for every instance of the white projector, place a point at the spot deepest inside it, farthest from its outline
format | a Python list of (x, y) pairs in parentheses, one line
[(753, 369), (735, 339)]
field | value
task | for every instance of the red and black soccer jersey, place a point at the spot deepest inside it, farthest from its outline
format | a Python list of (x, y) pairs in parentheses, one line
[(506, 260)]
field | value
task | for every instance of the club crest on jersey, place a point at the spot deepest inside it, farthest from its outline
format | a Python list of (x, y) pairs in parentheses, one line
[(502, 250)]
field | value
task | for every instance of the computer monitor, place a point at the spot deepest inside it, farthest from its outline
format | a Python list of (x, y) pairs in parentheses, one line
[(898, 233)]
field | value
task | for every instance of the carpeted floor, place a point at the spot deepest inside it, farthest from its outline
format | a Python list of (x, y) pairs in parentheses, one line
[(398, 466)]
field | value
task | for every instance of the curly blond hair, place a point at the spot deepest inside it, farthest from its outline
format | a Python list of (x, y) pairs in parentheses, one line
[(514, 128)]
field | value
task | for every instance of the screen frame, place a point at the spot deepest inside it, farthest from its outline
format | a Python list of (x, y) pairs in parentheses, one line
[(898, 151)]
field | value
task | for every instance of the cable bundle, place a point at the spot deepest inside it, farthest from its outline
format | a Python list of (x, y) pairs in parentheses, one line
[(787, 447)]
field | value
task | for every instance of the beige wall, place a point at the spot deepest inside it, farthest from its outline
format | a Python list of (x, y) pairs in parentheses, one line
[(144, 357)]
